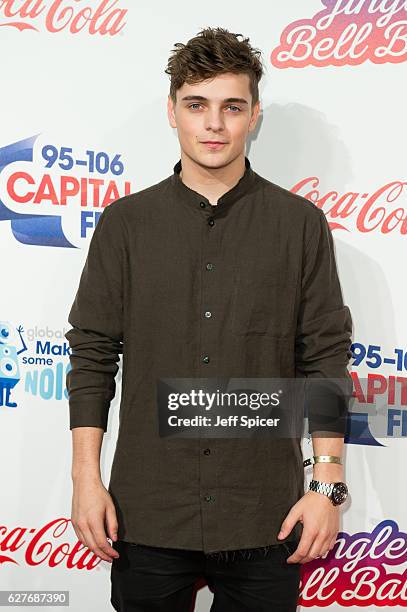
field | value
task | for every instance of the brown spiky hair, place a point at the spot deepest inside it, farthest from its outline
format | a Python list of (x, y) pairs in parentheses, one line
[(211, 52)]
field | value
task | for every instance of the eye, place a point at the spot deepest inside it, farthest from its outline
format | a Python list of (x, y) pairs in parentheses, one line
[(238, 110)]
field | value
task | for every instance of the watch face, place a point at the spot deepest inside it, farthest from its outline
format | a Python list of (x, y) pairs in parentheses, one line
[(339, 493)]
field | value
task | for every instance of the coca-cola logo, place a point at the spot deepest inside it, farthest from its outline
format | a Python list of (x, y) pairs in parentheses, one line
[(46, 546), (360, 211), (60, 15), (345, 32)]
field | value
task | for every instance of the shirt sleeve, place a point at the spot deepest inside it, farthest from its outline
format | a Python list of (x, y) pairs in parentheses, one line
[(96, 317), (323, 335)]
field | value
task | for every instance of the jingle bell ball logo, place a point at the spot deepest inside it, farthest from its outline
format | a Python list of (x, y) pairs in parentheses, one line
[(53, 195), (105, 18), (346, 32)]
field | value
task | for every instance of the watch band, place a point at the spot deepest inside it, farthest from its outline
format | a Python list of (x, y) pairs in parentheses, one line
[(337, 492), (321, 487), (322, 459)]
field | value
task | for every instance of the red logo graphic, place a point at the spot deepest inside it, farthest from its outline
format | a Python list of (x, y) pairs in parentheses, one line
[(45, 546), (357, 572), (345, 32), (59, 15), (361, 211)]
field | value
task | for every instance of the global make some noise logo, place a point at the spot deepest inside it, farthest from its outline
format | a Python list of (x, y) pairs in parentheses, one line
[(356, 572), (47, 378), (35, 196), (105, 19), (346, 32)]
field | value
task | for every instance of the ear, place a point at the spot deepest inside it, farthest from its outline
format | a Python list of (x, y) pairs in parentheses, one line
[(255, 115), (171, 112)]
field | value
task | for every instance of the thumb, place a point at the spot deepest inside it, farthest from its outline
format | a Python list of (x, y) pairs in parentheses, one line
[(287, 525), (111, 523)]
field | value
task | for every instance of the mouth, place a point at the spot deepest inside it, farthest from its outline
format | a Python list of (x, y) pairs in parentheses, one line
[(214, 144)]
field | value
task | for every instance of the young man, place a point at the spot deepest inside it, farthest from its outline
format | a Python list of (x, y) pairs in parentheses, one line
[(213, 272)]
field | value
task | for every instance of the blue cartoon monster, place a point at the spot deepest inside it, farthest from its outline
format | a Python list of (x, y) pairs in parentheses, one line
[(9, 368)]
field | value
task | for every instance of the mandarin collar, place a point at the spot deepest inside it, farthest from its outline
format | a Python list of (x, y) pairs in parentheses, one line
[(200, 203)]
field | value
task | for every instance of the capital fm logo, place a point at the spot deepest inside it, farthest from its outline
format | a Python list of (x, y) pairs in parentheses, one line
[(345, 32), (40, 182), (105, 18)]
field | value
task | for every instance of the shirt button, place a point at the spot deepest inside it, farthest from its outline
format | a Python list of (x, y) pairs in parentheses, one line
[(207, 451), (208, 314), (202, 204), (209, 498), (211, 221), (205, 358), (210, 266)]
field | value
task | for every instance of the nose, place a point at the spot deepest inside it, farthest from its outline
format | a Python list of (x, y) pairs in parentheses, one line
[(214, 120)]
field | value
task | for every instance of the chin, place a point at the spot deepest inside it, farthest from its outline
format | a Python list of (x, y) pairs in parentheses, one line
[(213, 160)]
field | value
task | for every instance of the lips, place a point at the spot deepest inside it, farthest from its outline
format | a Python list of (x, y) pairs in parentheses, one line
[(214, 145)]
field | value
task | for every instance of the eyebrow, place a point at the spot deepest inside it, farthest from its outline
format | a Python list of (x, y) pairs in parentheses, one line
[(191, 97)]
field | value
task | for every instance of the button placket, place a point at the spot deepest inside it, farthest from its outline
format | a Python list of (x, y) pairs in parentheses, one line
[(208, 346)]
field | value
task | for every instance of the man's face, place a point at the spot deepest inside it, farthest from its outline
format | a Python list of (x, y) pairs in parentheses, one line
[(224, 115)]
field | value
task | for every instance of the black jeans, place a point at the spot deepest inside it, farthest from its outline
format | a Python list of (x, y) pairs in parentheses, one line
[(151, 579)]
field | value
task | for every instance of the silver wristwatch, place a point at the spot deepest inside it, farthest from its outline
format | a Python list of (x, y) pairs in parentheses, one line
[(336, 491)]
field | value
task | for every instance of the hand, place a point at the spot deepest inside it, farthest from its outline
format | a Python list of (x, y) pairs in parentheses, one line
[(320, 520), (92, 511)]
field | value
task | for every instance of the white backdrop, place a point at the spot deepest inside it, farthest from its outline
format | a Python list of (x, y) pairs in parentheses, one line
[(333, 129)]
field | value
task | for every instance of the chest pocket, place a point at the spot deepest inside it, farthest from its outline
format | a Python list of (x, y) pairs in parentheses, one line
[(263, 302)]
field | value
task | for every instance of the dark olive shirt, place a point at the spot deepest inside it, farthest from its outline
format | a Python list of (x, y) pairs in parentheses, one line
[(261, 262)]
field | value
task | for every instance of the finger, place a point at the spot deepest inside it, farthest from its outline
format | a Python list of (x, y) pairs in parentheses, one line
[(304, 545), (332, 543), (80, 535), (287, 525), (111, 523), (85, 536), (100, 537), (93, 546), (318, 549)]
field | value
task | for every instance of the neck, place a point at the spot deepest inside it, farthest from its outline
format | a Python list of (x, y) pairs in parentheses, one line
[(212, 183)]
